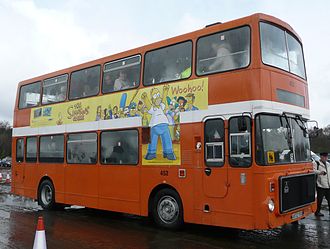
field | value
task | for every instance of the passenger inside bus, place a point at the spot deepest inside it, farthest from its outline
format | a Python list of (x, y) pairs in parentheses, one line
[(223, 60), (62, 94), (117, 155), (121, 82), (107, 84)]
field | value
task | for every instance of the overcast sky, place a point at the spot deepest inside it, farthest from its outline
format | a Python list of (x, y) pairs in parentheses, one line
[(42, 36)]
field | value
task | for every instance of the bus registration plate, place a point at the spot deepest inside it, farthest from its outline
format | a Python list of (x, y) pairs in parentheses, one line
[(297, 215)]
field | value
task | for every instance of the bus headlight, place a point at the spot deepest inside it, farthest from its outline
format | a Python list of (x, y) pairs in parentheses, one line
[(271, 205)]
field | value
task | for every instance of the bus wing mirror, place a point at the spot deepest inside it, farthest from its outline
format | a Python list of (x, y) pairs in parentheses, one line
[(313, 131)]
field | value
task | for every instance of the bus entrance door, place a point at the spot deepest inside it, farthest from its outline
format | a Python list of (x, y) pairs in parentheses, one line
[(215, 174), (215, 181)]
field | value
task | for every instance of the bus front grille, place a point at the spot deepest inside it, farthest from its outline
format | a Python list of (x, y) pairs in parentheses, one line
[(296, 191)]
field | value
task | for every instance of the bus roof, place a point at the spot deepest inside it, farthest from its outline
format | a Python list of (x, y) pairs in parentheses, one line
[(254, 18)]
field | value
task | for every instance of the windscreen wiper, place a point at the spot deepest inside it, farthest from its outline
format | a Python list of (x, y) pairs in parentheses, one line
[(289, 128), (302, 125)]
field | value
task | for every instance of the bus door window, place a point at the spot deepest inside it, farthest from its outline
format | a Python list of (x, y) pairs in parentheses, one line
[(20, 150), (84, 83), (214, 135), (223, 51), (52, 149), (121, 74), (240, 141), (29, 95), (82, 148), (119, 147), (168, 64), (31, 149), (54, 89)]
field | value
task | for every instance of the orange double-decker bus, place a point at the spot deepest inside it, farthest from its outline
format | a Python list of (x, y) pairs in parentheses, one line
[(207, 127)]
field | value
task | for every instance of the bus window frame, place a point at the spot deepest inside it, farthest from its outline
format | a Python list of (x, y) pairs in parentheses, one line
[(286, 45), (117, 60), (67, 88), (40, 93), (155, 49), (250, 145), (223, 162), (225, 30), (66, 147), (69, 83), (37, 157), (138, 148)]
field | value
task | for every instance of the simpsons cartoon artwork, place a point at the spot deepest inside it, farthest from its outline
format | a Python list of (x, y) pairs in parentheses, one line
[(157, 111), (158, 123)]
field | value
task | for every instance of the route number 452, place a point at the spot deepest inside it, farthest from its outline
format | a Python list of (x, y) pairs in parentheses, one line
[(164, 172)]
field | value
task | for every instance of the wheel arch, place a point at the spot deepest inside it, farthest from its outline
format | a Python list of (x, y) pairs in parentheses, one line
[(155, 190), (44, 178)]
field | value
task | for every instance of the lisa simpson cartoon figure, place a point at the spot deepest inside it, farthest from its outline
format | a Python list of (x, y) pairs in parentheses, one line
[(158, 124)]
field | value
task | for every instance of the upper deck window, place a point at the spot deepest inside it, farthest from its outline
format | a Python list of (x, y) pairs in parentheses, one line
[(54, 89), (223, 51), (296, 57), (121, 74), (282, 50), (168, 64), (84, 83), (29, 95)]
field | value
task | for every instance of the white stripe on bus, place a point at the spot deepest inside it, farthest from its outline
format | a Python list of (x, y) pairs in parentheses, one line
[(224, 110)]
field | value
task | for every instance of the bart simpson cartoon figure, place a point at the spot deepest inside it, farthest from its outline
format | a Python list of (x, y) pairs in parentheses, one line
[(158, 123)]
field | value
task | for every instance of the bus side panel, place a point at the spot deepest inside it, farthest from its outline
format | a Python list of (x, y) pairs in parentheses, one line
[(119, 188), (31, 176), (81, 185)]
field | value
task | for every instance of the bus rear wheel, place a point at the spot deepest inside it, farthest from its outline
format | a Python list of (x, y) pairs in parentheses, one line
[(46, 195), (167, 209)]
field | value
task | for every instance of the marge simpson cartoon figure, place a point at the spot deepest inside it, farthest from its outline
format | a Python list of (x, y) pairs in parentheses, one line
[(60, 119), (158, 124)]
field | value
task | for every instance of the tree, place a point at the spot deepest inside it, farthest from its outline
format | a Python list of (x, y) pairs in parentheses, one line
[(5, 139), (320, 140)]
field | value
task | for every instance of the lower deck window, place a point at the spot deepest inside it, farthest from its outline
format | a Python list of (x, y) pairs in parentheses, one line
[(31, 149), (52, 149), (119, 147), (20, 150), (82, 148)]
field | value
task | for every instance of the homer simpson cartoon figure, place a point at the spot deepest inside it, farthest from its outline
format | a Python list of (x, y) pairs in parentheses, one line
[(158, 123)]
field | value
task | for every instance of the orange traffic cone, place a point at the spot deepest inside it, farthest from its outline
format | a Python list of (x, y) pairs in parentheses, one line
[(40, 237), (8, 179), (0, 177)]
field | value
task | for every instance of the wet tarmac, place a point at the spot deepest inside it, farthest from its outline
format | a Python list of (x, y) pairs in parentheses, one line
[(86, 228)]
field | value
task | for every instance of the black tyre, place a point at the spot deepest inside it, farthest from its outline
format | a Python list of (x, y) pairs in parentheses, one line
[(167, 209), (46, 195)]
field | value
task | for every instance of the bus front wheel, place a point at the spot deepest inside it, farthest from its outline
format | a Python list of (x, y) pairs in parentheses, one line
[(46, 195), (167, 209)]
